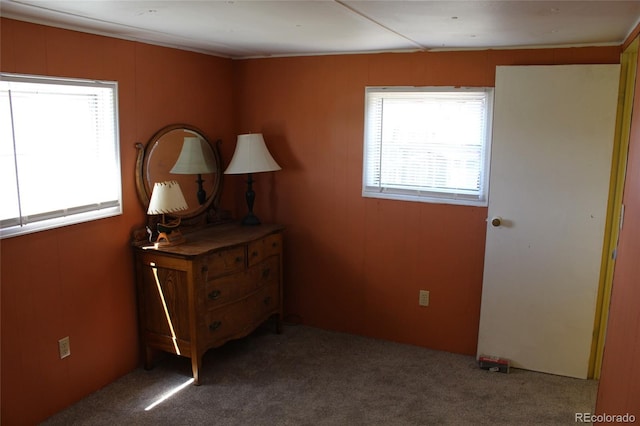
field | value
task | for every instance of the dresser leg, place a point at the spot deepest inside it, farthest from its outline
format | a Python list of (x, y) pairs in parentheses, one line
[(148, 358), (279, 323), (195, 366)]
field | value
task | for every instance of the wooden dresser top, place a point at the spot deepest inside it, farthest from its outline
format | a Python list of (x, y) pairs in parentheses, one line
[(215, 237)]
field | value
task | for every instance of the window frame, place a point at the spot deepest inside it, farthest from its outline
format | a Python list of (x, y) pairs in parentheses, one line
[(428, 195), (71, 214)]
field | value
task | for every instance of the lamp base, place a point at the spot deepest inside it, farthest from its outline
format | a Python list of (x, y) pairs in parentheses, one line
[(169, 234), (173, 238), (251, 220)]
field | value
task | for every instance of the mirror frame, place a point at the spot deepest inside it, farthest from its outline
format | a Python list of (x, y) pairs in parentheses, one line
[(207, 212)]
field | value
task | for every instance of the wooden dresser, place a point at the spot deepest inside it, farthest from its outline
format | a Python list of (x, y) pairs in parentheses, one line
[(220, 285)]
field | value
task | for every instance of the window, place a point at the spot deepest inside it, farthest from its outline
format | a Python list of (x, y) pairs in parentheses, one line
[(428, 144), (59, 153)]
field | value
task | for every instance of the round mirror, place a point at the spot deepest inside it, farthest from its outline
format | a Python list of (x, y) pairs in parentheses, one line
[(181, 153)]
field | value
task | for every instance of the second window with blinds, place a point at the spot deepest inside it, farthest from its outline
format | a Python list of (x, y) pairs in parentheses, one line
[(428, 144)]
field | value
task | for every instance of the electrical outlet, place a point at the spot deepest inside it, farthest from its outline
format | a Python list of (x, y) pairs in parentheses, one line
[(64, 347), (424, 298)]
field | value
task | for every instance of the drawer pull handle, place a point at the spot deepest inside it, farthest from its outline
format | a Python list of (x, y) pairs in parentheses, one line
[(267, 300), (214, 294), (215, 325), (254, 253), (265, 273), (274, 245), (238, 259)]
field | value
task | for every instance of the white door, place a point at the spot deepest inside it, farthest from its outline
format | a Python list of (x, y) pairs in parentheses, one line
[(551, 157)]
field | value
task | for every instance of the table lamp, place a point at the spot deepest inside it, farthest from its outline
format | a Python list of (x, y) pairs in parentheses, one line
[(251, 156), (166, 198)]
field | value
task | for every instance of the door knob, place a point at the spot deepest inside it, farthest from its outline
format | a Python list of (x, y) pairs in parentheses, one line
[(496, 221)]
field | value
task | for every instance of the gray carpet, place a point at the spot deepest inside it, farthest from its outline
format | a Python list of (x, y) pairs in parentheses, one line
[(308, 376)]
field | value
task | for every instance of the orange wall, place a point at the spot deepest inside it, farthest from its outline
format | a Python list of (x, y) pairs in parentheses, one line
[(78, 281), (619, 390), (352, 264), (356, 264)]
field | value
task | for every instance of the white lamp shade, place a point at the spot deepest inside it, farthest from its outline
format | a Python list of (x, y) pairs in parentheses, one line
[(251, 156), (166, 198), (194, 158)]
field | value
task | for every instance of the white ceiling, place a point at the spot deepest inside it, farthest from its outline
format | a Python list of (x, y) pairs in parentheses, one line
[(242, 29)]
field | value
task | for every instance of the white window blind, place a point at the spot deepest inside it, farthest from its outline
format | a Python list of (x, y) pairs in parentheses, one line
[(59, 152), (428, 144)]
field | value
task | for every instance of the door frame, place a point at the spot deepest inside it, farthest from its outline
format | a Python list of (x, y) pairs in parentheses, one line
[(615, 211)]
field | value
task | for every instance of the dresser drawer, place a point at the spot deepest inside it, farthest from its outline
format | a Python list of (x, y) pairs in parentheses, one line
[(224, 261), (266, 272), (261, 249), (267, 300), (222, 290), (236, 318)]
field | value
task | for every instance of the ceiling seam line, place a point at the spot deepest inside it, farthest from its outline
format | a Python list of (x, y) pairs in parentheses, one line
[(362, 15)]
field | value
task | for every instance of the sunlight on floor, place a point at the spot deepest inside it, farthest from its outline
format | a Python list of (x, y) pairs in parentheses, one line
[(169, 394)]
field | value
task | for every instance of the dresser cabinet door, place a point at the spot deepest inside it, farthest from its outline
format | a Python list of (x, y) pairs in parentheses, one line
[(166, 308)]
